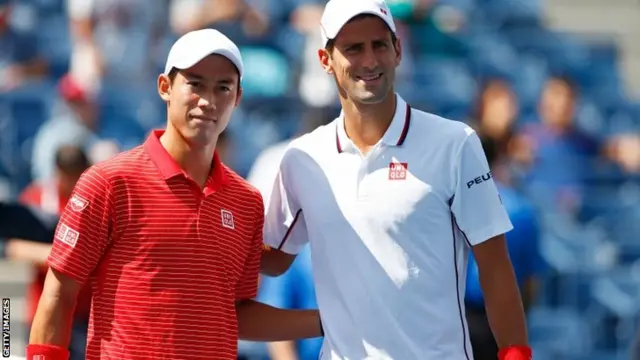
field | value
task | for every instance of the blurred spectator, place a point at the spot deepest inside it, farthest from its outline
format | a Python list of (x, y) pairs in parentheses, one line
[(238, 19), (116, 39), (73, 123), (559, 156), (496, 111), (523, 245), (52, 197), (20, 58), (494, 118)]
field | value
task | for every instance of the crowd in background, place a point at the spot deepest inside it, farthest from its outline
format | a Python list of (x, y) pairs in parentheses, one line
[(77, 85)]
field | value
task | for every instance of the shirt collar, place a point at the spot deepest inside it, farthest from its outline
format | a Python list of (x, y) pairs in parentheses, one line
[(395, 135), (169, 168)]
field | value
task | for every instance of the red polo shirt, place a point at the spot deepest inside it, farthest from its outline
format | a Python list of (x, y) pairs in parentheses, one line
[(167, 259)]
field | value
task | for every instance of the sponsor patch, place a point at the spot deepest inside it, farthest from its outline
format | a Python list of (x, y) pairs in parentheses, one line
[(67, 235), (78, 203)]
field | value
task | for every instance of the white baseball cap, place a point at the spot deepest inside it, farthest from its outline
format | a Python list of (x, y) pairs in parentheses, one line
[(194, 46), (338, 12)]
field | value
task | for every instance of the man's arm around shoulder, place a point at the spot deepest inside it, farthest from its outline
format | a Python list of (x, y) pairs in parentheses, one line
[(502, 298), (261, 322), (51, 328)]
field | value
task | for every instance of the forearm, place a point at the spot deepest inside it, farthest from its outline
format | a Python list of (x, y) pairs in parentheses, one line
[(25, 250), (504, 309), (261, 322), (283, 350), (52, 322)]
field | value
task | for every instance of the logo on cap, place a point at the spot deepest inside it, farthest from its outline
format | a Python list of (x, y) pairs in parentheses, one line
[(383, 11)]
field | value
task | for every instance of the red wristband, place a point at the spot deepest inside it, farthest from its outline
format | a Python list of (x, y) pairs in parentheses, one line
[(46, 352), (515, 353)]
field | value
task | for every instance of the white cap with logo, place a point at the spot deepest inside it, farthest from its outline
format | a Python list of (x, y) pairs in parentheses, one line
[(338, 12), (194, 46)]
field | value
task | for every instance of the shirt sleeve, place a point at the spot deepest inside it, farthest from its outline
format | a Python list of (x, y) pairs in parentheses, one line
[(476, 204), (285, 228), (84, 230), (247, 285)]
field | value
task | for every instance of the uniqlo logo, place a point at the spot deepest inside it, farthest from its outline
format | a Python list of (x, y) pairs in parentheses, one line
[(398, 170), (227, 219), (67, 235)]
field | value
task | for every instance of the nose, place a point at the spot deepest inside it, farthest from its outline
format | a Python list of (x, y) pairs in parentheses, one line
[(369, 59), (206, 99)]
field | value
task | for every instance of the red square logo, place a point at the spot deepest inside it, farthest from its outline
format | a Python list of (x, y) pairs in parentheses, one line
[(398, 170)]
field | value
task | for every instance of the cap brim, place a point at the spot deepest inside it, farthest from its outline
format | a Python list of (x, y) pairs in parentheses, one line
[(331, 34), (186, 63)]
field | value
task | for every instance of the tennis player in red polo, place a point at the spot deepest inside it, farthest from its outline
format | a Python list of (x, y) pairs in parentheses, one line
[(169, 237)]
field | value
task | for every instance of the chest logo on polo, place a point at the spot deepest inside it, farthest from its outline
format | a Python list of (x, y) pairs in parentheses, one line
[(398, 170), (227, 219)]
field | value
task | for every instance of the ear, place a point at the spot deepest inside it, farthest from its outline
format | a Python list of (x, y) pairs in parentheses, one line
[(164, 87), (325, 60), (239, 96), (398, 47)]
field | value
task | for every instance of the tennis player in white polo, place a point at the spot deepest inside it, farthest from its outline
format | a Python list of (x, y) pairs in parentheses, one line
[(391, 199)]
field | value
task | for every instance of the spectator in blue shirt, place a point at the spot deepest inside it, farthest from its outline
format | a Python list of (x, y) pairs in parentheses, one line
[(522, 243), (293, 290), (20, 58)]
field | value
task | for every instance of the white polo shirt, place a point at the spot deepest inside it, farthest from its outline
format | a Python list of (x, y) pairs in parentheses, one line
[(389, 233)]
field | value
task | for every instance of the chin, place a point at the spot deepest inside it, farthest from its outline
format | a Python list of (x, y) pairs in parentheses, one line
[(200, 137), (371, 98)]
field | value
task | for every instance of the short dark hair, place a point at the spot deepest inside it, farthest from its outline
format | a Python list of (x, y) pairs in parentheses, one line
[(172, 74), (331, 43), (71, 160)]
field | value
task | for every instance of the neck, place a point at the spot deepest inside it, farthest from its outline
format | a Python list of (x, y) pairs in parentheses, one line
[(195, 161), (365, 124)]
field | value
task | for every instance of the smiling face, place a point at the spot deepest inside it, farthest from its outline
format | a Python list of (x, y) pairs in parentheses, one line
[(363, 59), (201, 99)]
